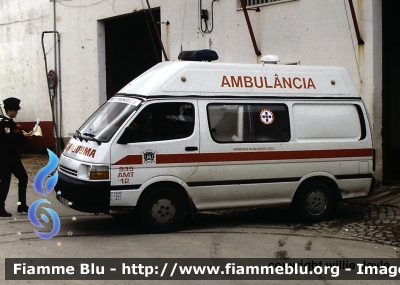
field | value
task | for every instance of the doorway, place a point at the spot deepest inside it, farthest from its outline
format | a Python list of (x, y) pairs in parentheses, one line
[(391, 90), (132, 47)]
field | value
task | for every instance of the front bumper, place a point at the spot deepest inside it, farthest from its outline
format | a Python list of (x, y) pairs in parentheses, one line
[(84, 196)]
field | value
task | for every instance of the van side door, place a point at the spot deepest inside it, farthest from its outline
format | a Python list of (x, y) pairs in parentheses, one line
[(240, 163), (161, 143)]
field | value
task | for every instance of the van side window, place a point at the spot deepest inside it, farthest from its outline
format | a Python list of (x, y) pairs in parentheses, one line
[(270, 123), (162, 121), (249, 122)]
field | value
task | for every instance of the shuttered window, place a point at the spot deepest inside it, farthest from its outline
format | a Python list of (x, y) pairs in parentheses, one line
[(251, 3)]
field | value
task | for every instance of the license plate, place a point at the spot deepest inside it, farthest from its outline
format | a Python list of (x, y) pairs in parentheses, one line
[(64, 202)]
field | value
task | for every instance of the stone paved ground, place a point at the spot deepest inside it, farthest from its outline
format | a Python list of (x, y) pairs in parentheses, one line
[(375, 218), (383, 195), (374, 223), (33, 163)]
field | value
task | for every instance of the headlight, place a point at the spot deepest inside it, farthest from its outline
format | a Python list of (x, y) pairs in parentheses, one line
[(99, 173)]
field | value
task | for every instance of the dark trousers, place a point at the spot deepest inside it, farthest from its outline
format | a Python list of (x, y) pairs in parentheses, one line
[(15, 167)]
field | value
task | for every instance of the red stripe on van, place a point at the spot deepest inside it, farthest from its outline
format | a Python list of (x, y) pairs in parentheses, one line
[(129, 159), (177, 158), (249, 156), (284, 155)]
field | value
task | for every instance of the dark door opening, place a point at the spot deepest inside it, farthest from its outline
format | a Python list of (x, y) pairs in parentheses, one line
[(391, 90), (132, 47)]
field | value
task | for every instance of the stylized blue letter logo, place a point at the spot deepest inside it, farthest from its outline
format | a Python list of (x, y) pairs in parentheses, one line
[(49, 186)]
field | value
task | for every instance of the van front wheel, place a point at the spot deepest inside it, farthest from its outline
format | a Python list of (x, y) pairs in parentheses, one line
[(315, 201), (163, 210)]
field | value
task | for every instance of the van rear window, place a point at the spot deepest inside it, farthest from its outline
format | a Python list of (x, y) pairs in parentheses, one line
[(333, 122), (249, 122)]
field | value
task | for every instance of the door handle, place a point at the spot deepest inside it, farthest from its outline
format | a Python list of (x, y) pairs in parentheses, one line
[(191, 148)]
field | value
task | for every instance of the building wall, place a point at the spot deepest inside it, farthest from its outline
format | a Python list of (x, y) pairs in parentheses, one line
[(311, 32), (83, 55), (22, 71)]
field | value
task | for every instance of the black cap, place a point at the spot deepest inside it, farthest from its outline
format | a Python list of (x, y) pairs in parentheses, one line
[(11, 104)]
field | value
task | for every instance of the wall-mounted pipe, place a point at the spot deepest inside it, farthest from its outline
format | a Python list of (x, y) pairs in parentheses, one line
[(204, 18), (246, 15), (56, 130), (353, 15), (57, 69), (157, 32)]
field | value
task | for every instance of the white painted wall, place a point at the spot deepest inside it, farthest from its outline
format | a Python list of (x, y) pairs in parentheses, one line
[(22, 71), (313, 32)]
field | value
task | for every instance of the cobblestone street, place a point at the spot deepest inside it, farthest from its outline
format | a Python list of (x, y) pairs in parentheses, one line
[(374, 223)]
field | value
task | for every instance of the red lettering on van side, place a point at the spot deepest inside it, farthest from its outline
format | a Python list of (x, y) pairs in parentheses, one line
[(258, 85), (294, 83), (127, 174), (277, 81), (92, 153), (287, 82), (87, 151), (266, 83), (238, 83), (69, 146), (225, 81), (311, 83), (262, 82), (248, 83)]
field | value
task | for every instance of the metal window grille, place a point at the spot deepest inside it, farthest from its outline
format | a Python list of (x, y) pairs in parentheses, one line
[(250, 3)]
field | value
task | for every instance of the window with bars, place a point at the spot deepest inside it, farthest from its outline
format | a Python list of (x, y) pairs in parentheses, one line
[(251, 3)]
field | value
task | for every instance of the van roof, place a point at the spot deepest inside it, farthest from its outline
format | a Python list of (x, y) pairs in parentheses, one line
[(210, 79)]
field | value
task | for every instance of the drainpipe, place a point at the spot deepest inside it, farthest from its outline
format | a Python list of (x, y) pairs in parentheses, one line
[(156, 29), (246, 15), (57, 98), (353, 15), (57, 142)]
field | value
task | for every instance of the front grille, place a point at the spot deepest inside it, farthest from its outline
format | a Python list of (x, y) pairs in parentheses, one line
[(68, 170)]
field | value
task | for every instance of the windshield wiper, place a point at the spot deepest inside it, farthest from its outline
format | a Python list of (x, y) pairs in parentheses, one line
[(92, 137), (76, 132), (79, 136)]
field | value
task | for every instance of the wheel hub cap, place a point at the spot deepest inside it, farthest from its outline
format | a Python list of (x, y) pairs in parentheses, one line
[(316, 202), (163, 211)]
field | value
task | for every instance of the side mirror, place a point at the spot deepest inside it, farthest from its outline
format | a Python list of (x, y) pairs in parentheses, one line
[(128, 136)]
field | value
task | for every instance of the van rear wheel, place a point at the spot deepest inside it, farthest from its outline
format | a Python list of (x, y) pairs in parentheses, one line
[(315, 201), (163, 210)]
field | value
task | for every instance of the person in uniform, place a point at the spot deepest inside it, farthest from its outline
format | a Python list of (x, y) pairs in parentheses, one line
[(11, 143)]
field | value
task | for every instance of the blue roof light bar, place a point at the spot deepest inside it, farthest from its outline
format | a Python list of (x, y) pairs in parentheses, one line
[(198, 55)]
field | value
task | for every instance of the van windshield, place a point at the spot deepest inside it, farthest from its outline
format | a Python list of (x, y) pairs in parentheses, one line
[(103, 124)]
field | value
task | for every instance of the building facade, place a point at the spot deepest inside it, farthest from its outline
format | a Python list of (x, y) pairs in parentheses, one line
[(94, 47)]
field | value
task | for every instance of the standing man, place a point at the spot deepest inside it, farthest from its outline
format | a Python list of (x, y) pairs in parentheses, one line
[(11, 143)]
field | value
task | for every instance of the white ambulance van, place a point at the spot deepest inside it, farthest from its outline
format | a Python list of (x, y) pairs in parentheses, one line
[(190, 136)]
